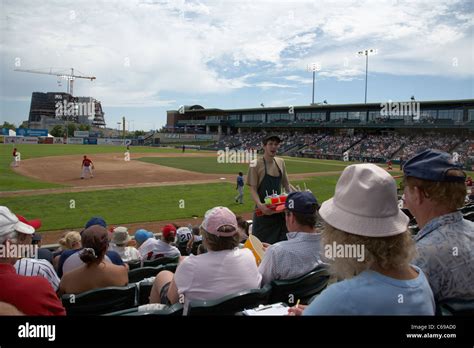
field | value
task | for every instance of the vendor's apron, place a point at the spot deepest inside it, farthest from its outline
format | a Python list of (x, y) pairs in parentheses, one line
[(269, 228)]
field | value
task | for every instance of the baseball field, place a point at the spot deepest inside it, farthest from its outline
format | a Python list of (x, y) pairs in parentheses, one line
[(156, 186)]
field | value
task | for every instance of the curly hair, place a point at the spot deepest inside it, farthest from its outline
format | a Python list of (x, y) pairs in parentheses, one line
[(385, 252)]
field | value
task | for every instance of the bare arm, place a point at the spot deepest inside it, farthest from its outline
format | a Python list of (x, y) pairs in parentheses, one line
[(265, 210)]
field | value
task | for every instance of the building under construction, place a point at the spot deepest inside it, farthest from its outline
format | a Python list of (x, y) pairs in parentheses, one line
[(53, 108)]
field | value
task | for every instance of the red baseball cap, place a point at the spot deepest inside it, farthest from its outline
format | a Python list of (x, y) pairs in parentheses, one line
[(36, 224), (168, 230)]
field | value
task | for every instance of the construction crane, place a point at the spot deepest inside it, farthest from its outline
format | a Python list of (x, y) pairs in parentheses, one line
[(61, 75)]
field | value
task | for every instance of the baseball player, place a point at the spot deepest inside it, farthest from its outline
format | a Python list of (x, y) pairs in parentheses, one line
[(87, 166), (16, 158)]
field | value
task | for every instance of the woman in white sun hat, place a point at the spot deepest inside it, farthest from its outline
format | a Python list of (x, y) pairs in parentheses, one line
[(369, 249)]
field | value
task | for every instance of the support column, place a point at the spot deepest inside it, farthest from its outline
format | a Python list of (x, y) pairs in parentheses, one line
[(228, 130), (219, 130), (185, 129), (208, 129), (239, 130)]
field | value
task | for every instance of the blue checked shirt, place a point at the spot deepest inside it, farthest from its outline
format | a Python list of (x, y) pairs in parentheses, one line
[(446, 254), (292, 258)]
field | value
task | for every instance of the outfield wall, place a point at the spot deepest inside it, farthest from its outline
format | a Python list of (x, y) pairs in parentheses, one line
[(55, 140)]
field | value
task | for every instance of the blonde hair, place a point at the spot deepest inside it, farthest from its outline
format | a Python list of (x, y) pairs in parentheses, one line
[(385, 252), (69, 239), (449, 194)]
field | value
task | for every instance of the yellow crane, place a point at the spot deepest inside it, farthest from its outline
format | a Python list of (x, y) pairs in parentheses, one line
[(61, 75)]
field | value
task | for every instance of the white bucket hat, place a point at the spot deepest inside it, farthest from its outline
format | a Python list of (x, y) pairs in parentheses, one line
[(365, 203)]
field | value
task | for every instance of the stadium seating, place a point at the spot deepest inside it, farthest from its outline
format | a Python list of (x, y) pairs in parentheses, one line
[(100, 301), (455, 307), (144, 290), (160, 261), (469, 216), (134, 264), (174, 310), (302, 288), (231, 304), (138, 274)]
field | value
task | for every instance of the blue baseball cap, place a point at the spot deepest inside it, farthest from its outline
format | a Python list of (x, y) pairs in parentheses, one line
[(96, 220), (432, 165), (142, 235), (302, 202)]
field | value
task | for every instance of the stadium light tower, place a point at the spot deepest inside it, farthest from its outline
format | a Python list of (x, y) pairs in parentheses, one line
[(366, 53), (314, 67)]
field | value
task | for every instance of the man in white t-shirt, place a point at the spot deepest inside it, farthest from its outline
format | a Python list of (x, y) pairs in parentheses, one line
[(152, 249), (223, 270)]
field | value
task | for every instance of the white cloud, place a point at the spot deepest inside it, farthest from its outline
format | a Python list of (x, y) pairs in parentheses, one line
[(189, 47)]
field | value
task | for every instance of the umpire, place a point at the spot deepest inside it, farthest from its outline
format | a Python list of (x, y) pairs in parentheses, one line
[(268, 176)]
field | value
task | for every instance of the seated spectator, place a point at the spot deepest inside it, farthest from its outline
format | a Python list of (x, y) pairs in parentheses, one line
[(195, 242), (31, 295), (434, 190), (223, 270), (300, 254), (243, 228), (70, 241), (119, 242), (152, 249), (70, 259), (370, 250), (32, 265), (95, 272), (8, 309), (43, 253), (183, 236), (469, 181)]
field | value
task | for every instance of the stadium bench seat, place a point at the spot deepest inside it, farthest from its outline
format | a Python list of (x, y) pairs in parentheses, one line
[(100, 301), (302, 288), (160, 261), (134, 264), (455, 307), (231, 304), (469, 216), (138, 274), (173, 310), (144, 290)]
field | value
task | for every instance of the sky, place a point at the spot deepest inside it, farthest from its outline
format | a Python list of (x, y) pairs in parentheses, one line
[(149, 56)]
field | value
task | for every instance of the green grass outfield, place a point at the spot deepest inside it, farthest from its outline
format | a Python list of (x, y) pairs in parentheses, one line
[(210, 165), (142, 204), (133, 205), (10, 181)]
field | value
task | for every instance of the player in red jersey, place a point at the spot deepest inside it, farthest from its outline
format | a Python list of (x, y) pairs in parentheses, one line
[(87, 166)]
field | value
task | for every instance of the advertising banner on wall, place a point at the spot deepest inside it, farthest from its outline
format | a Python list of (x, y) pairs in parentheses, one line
[(45, 140), (1, 139), (57, 140), (81, 134), (10, 140), (107, 141), (75, 140), (90, 141), (27, 140), (31, 132)]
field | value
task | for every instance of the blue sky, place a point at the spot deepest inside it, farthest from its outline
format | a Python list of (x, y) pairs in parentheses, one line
[(152, 56)]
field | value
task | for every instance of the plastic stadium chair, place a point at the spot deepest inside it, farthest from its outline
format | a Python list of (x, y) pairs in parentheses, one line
[(174, 310), (134, 264), (467, 208), (231, 304), (100, 301), (138, 274), (302, 288), (458, 307), (469, 216), (160, 261), (144, 290)]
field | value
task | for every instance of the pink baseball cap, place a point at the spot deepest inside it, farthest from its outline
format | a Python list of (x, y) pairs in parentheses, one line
[(217, 217)]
